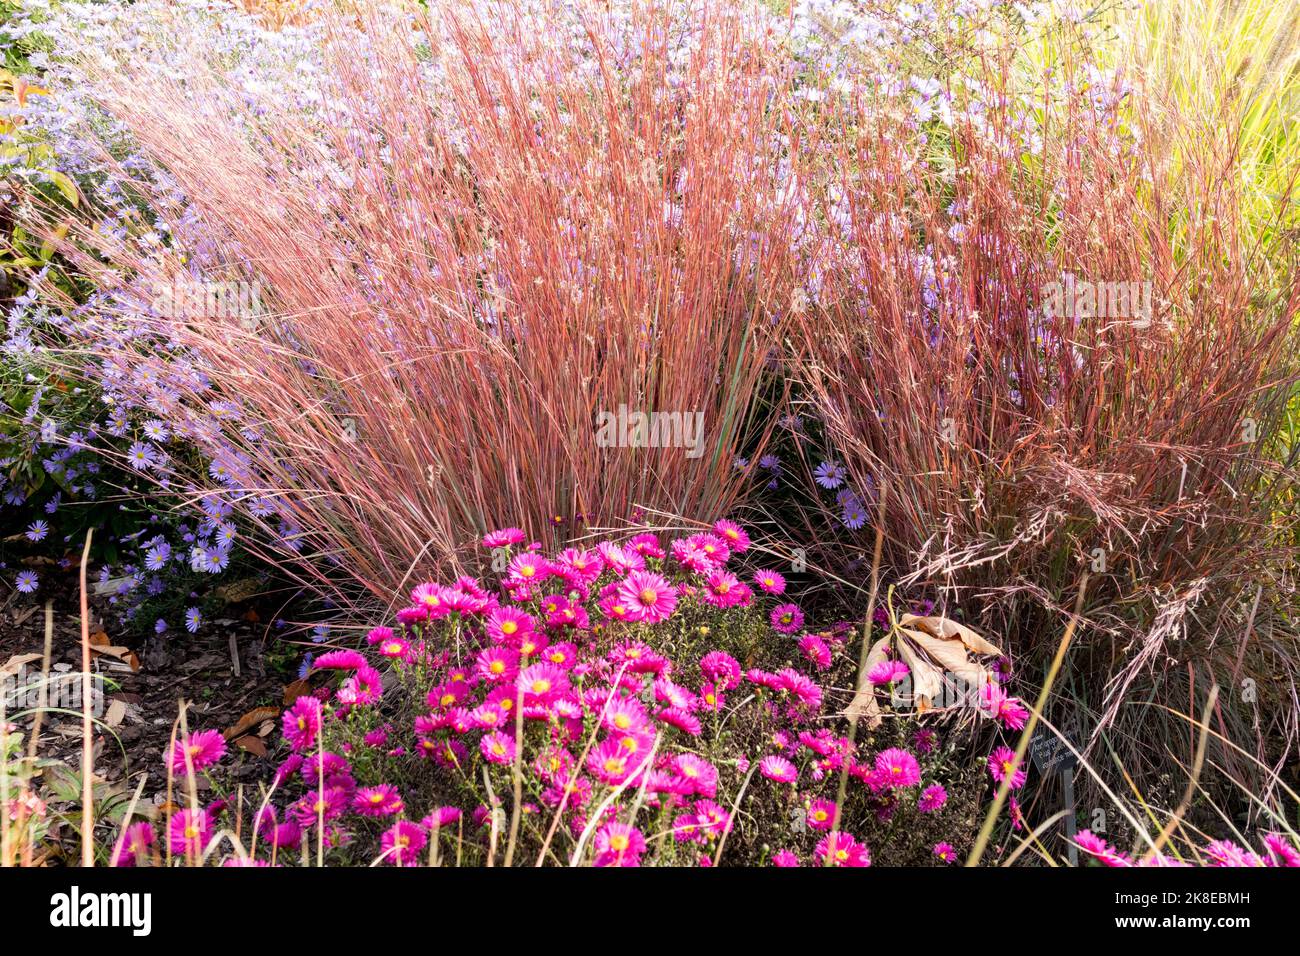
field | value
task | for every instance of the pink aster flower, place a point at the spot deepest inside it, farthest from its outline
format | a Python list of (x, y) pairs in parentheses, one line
[(649, 597), (430, 596), (364, 687), (638, 658), (785, 859), (619, 844), (842, 850), (1282, 850), (203, 748), (301, 723), (778, 768), (995, 703), (674, 695), (441, 818), (945, 852), (821, 814), (542, 683), (532, 644), (689, 554), (402, 843), (624, 715), (496, 747), (134, 845), (712, 698), (189, 832), (580, 567), (503, 538), (610, 763), (722, 669), (932, 798), (816, 650), (723, 589), (341, 660), (1003, 767), (395, 648), (680, 718), (887, 672), (527, 569), (505, 625), (786, 618), (379, 634), (697, 774), (733, 535), (803, 687), (715, 550), (897, 768), (620, 560), (712, 819), (646, 545), (1099, 848), (924, 740), (1227, 853), (769, 582), (497, 664), (380, 801)]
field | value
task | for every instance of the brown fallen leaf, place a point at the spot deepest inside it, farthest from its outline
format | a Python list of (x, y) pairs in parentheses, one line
[(295, 690), (240, 590), (16, 663), (250, 720), (252, 745), (123, 654), (116, 713)]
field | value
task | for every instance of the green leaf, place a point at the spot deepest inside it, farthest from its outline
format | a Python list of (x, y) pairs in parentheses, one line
[(66, 186)]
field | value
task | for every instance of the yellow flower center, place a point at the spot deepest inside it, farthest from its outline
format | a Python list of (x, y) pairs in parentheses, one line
[(509, 627)]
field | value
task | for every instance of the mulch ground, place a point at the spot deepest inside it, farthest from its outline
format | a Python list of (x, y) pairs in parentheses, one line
[(224, 672)]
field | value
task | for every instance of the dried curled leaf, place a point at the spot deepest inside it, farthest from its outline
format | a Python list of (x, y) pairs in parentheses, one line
[(864, 705), (938, 651), (946, 629)]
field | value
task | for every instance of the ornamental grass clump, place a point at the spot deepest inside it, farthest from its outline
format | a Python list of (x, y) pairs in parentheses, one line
[(472, 237), (1064, 353)]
